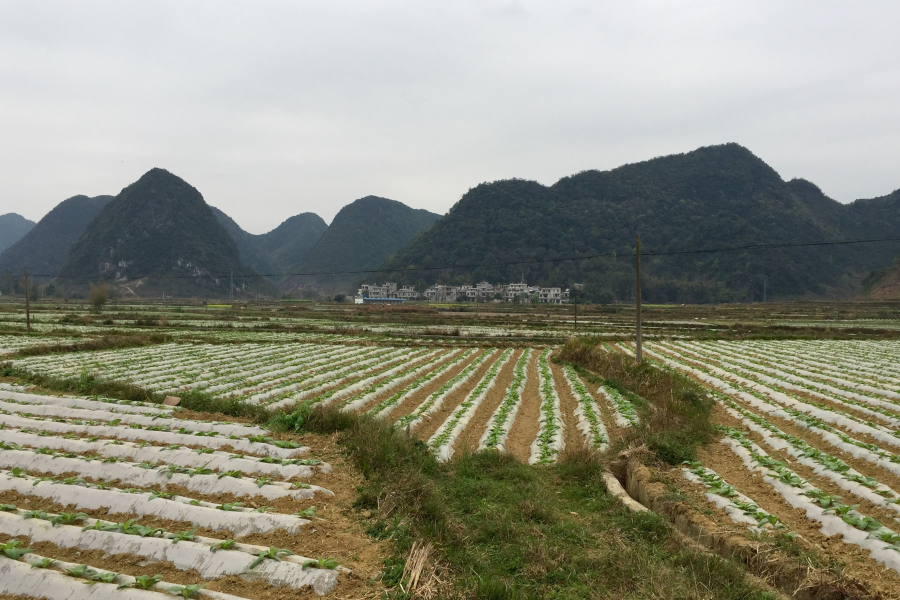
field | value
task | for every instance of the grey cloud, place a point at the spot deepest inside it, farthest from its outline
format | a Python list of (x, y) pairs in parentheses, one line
[(276, 108)]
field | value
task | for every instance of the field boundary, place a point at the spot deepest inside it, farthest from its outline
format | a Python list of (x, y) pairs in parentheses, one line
[(762, 560)]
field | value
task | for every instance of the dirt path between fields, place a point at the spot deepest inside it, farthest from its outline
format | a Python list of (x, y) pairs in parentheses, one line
[(525, 428), (409, 405), (572, 436), (471, 435), (430, 423)]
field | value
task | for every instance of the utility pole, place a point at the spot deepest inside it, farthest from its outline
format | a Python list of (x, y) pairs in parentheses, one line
[(231, 287), (639, 352), (27, 303), (575, 298)]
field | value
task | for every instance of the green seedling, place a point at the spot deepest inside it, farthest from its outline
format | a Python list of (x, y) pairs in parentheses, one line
[(201, 471), (44, 563), (223, 545), (264, 509), (230, 506), (261, 481), (108, 577), (187, 591), (321, 563), (299, 485), (163, 495), (8, 508), (841, 509), (862, 523), (235, 473), (272, 553), (36, 514), (143, 582), (184, 536), (12, 549), (81, 571), (171, 470), (17, 472), (68, 518), (308, 513)]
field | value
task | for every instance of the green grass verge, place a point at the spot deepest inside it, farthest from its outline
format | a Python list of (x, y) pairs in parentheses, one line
[(505, 530), (675, 412)]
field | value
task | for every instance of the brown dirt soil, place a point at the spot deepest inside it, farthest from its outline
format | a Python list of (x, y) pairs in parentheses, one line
[(410, 404), (471, 435), (573, 439), (430, 423), (381, 396), (525, 428)]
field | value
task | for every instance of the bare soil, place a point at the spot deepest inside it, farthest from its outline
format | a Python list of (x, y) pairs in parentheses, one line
[(432, 422), (471, 435), (525, 428)]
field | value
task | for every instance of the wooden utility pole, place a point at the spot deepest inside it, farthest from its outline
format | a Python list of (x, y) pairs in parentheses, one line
[(27, 303), (639, 352), (575, 298)]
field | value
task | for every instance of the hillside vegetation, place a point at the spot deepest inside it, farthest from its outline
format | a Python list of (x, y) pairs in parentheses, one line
[(158, 228), (278, 251), (46, 245), (362, 236), (12, 228), (713, 197)]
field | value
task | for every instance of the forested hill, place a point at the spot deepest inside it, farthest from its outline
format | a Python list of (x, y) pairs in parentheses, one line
[(12, 227), (713, 197), (278, 251), (46, 245), (362, 236), (157, 235)]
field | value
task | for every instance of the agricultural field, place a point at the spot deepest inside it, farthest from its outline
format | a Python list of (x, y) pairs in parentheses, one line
[(806, 446), (513, 399), (136, 495), (809, 443)]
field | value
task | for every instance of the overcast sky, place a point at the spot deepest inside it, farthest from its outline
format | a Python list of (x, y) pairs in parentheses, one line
[(275, 108)]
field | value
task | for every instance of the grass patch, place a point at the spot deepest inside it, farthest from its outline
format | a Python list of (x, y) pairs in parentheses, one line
[(675, 411), (505, 530)]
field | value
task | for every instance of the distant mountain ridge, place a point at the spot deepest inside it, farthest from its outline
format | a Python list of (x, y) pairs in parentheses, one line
[(279, 251), (12, 227), (47, 245), (362, 236), (713, 197), (157, 234)]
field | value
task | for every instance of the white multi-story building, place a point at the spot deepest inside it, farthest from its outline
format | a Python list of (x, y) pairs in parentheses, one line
[(369, 290), (408, 293), (552, 295)]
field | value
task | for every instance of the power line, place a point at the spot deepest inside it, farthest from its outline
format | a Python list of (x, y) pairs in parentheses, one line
[(510, 263)]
